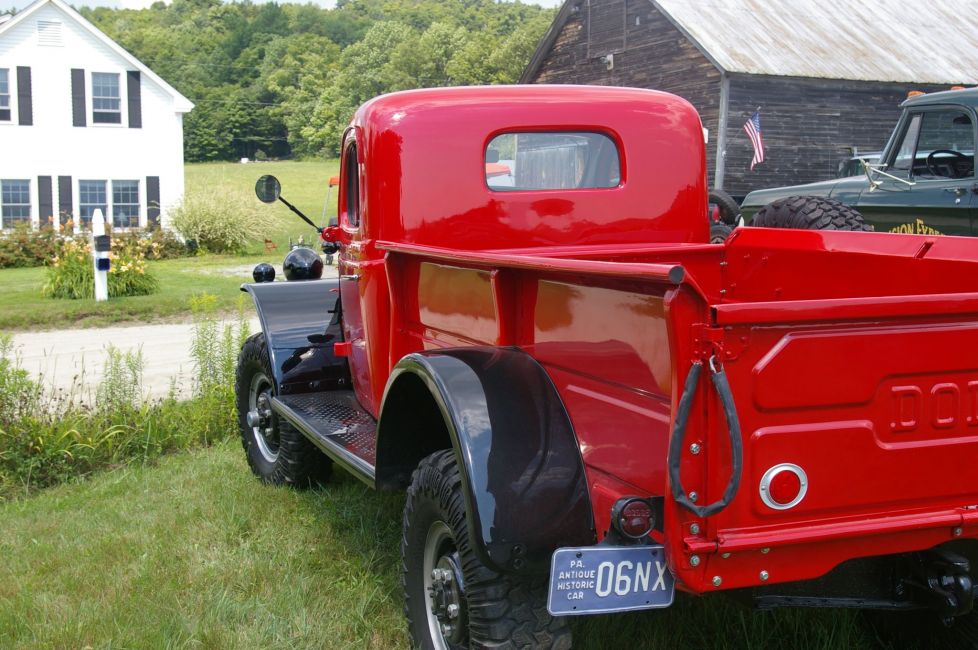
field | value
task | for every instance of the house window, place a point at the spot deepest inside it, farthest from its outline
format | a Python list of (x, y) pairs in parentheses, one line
[(4, 95), (125, 204), (15, 202), (106, 100), (91, 197)]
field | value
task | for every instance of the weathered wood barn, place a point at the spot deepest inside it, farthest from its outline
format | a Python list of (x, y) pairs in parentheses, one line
[(827, 75)]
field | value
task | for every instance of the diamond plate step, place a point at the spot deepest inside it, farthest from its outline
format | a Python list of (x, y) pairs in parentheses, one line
[(337, 424)]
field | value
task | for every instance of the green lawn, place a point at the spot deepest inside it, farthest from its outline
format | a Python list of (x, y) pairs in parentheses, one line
[(196, 553), (22, 306), (304, 184)]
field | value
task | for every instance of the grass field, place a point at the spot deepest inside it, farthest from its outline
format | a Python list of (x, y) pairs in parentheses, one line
[(196, 553), (304, 183)]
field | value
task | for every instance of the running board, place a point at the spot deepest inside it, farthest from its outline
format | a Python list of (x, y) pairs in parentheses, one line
[(336, 423)]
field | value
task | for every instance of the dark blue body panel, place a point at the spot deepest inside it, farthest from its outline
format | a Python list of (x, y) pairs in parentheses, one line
[(301, 322), (523, 476)]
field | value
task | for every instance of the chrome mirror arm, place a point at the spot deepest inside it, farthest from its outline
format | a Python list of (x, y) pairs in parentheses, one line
[(873, 183)]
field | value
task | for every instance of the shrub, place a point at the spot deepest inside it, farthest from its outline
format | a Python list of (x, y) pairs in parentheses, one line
[(156, 244), (23, 246), (71, 275), (220, 221)]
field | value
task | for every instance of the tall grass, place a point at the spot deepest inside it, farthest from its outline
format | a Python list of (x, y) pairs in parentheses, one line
[(49, 437), (220, 219)]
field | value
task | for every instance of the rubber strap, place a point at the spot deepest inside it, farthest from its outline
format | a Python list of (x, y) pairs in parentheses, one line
[(677, 440)]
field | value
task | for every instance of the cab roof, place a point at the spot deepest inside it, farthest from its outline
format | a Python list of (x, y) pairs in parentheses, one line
[(965, 97)]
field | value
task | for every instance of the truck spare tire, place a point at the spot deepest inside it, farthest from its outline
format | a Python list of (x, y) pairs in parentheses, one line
[(810, 213), (729, 208)]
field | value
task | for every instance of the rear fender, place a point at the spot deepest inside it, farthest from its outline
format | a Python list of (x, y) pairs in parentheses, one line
[(301, 322), (523, 477)]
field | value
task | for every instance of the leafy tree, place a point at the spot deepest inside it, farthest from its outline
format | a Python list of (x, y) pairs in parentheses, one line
[(286, 78)]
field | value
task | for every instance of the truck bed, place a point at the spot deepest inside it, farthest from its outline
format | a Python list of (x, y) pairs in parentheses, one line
[(851, 355)]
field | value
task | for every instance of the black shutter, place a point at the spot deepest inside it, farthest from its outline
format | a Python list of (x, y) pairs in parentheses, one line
[(45, 201), (64, 199), (25, 106), (135, 101), (153, 202), (77, 97)]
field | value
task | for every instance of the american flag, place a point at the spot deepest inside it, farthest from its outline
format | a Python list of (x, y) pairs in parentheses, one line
[(753, 129)]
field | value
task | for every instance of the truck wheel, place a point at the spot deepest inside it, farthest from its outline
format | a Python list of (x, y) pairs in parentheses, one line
[(810, 213), (719, 233), (451, 599), (729, 208), (277, 453)]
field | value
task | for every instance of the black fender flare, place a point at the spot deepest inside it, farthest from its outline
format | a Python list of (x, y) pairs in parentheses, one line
[(522, 473), (301, 321)]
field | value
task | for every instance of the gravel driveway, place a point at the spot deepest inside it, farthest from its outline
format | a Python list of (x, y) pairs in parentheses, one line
[(73, 360)]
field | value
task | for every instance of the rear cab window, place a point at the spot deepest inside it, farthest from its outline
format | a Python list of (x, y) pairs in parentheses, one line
[(555, 160)]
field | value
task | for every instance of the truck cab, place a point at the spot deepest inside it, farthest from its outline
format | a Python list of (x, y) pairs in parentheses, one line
[(924, 181), (588, 404)]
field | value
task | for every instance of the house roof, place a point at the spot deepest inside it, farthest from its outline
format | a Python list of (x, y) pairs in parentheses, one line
[(180, 103), (883, 40)]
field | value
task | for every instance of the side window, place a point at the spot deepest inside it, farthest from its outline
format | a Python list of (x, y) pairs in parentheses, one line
[(15, 202), (91, 197), (106, 98), (905, 154), (552, 161), (125, 204), (946, 147), (351, 210)]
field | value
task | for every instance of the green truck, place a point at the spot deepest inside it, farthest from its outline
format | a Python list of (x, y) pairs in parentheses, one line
[(923, 183)]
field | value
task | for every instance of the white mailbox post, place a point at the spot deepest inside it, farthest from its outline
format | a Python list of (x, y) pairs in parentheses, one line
[(101, 244)]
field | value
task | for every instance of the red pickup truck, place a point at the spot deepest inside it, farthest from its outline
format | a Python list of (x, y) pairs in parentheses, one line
[(589, 405)]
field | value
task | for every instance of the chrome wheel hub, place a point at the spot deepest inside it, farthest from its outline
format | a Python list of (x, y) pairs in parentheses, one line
[(445, 589), (260, 417)]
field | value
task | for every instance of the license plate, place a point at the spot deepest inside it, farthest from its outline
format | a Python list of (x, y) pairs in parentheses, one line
[(599, 579)]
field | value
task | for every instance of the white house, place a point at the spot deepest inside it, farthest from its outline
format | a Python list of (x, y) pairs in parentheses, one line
[(83, 125)]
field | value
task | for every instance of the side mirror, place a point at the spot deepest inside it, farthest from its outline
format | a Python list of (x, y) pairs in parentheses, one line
[(268, 189)]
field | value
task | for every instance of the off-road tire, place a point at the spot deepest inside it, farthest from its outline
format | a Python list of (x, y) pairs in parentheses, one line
[(729, 208), (298, 462), (719, 232), (504, 611), (810, 213)]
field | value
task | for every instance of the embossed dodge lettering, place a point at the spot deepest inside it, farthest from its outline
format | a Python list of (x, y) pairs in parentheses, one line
[(941, 406)]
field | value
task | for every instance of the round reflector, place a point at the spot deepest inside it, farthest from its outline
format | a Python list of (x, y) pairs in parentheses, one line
[(783, 486), (632, 517)]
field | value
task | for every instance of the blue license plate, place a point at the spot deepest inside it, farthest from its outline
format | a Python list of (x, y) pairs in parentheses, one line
[(600, 579)]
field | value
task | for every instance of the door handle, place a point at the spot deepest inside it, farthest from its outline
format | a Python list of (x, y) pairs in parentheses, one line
[(960, 191), (350, 277)]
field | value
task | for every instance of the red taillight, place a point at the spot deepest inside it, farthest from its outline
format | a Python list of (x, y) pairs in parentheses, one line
[(632, 517), (783, 486)]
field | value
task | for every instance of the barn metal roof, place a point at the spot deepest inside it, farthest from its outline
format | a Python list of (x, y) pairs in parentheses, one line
[(917, 41), (883, 40)]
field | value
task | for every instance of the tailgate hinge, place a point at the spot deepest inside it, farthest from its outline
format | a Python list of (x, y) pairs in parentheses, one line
[(727, 343)]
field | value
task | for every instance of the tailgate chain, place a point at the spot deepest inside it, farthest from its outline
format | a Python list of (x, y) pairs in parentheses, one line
[(722, 387)]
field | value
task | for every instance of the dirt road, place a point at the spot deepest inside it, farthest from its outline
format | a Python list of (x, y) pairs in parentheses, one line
[(73, 360)]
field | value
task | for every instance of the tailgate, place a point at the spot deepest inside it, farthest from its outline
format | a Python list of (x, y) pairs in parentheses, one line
[(879, 418)]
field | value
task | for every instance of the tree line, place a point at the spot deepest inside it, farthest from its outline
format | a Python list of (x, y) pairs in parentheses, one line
[(278, 80)]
